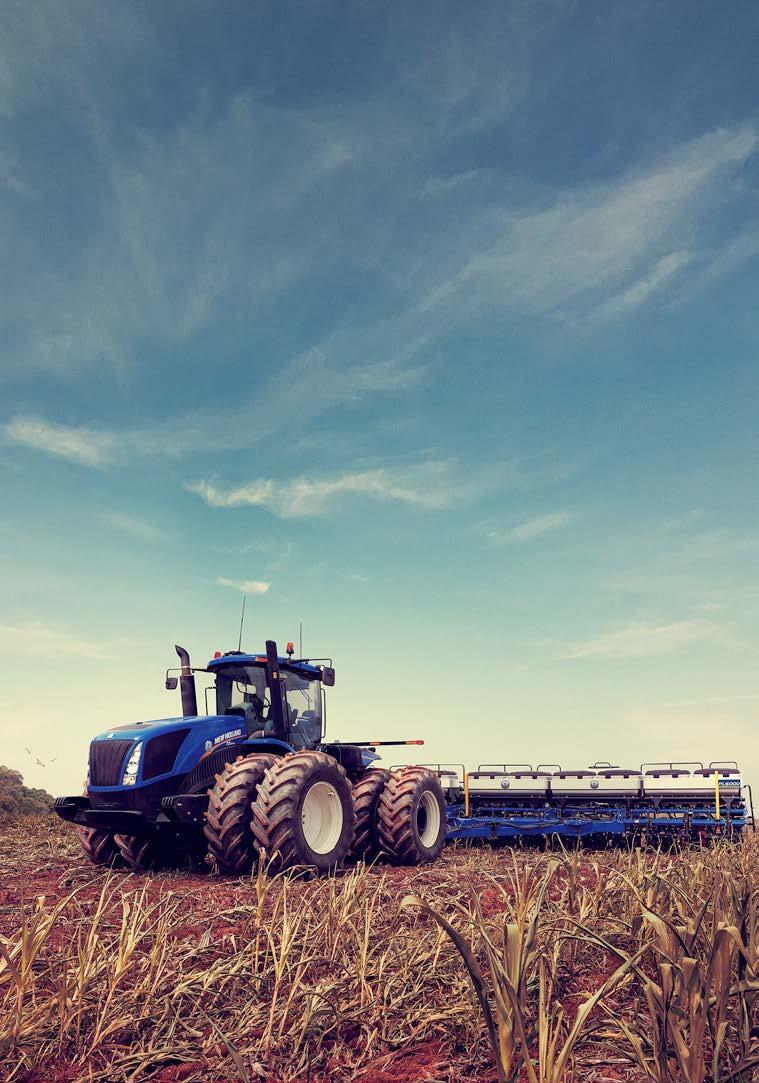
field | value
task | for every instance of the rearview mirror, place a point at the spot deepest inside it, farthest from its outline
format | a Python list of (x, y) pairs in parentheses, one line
[(171, 683), (328, 676)]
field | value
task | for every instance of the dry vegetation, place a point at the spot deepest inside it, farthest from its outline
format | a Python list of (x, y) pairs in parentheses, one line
[(491, 965)]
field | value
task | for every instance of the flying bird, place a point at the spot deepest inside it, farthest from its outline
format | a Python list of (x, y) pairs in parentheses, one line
[(39, 762)]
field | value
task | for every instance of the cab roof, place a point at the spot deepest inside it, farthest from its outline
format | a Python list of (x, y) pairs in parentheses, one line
[(233, 658)]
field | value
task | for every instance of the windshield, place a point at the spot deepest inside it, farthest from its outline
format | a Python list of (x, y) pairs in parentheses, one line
[(304, 700), (242, 690)]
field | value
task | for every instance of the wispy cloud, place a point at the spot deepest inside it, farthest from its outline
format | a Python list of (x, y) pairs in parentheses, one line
[(168, 254), (651, 280), (615, 243), (322, 382), (730, 256), (576, 255), (78, 444), (34, 637), (162, 258), (245, 586), (138, 528), (717, 545), (671, 563), (534, 528), (640, 638), (430, 485), (168, 258)]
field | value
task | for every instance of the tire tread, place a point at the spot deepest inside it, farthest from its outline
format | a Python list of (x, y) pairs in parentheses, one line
[(366, 794), (275, 809), (396, 815), (230, 843)]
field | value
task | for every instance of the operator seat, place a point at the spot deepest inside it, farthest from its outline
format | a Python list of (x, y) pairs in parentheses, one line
[(310, 726), (251, 717)]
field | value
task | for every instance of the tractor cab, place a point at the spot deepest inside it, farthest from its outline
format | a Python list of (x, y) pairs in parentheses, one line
[(242, 690)]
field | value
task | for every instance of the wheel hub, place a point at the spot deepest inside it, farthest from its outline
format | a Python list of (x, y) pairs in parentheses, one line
[(322, 817), (428, 819)]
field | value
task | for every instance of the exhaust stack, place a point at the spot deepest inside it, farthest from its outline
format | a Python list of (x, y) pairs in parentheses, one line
[(187, 685)]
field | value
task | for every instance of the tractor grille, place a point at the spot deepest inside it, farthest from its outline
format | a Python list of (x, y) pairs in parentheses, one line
[(202, 775), (105, 761), (160, 754)]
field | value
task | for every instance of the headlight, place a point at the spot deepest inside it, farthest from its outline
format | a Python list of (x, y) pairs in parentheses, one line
[(133, 766)]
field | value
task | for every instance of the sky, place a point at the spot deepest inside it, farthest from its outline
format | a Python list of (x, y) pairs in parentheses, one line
[(433, 326)]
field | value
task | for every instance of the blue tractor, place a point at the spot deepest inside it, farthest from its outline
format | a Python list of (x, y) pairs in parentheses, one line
[(256, 775)]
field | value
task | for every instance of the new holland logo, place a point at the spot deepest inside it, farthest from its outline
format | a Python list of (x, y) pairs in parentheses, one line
[(227, 736)]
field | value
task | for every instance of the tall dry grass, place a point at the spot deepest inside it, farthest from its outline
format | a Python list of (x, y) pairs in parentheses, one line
[(516, 965), (681, 1001)]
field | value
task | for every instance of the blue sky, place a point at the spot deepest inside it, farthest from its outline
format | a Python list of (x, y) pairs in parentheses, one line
[(434, 326)]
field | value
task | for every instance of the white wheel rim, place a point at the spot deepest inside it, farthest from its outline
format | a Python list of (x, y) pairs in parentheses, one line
[(322, 817), (428, 819)]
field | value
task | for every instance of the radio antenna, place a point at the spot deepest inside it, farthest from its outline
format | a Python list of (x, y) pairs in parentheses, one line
[(300, 640), (242, 618)]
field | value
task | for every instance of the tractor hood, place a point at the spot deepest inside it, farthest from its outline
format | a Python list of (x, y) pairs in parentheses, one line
[(143, 731), (161, 747)]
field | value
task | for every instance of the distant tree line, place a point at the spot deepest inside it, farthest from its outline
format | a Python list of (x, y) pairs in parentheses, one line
[(16, 799)]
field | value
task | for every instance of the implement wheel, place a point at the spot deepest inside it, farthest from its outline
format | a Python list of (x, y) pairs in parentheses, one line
[(99, 846), (303, 814), (366, 793), (230, 842), (412, 817)]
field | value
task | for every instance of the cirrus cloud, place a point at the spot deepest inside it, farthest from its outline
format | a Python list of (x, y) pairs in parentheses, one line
[(533, 528), (38, 638), (77, 443), (245, 586), (644, 638), (429, 485)]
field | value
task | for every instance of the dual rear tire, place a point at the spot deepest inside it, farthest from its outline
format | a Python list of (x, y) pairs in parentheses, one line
[(366, 794), (411, 817), (400, 814)]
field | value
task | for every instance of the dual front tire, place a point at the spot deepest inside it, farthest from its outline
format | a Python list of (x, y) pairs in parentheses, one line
[(227, 828), (100, 846), (303, 814), (297, 809), (141, 853)]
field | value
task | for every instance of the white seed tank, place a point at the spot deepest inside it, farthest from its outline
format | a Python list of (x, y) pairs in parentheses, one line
[(519, 780), (605, 782)]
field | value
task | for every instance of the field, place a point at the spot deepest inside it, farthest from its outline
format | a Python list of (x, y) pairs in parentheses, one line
[(494, 964)]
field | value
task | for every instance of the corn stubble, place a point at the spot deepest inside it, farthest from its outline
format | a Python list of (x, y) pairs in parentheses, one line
[(510, 965)]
